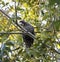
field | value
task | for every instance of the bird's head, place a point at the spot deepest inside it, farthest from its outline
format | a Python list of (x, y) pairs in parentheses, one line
[(23, 23)]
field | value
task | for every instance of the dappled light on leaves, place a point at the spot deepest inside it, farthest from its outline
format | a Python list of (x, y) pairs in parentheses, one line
[(44, 16)]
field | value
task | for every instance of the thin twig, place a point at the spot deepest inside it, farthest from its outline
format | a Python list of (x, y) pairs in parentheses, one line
[(10, 33), (15, 12), (5, 14)]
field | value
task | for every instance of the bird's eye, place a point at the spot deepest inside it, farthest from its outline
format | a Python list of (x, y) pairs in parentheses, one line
[(21, 24)]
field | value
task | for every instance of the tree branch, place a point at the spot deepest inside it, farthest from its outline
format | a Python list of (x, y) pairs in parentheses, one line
[(19, 26)]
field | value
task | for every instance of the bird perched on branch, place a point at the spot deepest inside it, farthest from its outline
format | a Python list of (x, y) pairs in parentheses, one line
[(26, 38)]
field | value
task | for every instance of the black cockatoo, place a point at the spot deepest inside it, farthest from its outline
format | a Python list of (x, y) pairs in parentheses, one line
[(26, 38)]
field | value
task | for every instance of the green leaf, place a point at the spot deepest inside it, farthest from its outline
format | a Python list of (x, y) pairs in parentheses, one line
[(52, 2), (20, 9), (10, 43), (57, 25), (7, 3), (3, 3), (57, 1), (7, 49), (4, 37), (20, 51)]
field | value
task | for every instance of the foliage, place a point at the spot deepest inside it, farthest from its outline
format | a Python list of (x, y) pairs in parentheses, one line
[(44, 15)]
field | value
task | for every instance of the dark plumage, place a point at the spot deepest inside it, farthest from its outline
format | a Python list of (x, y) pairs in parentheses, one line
[(26, 38)]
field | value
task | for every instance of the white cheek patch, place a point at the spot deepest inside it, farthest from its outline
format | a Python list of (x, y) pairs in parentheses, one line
[(20, 23)]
